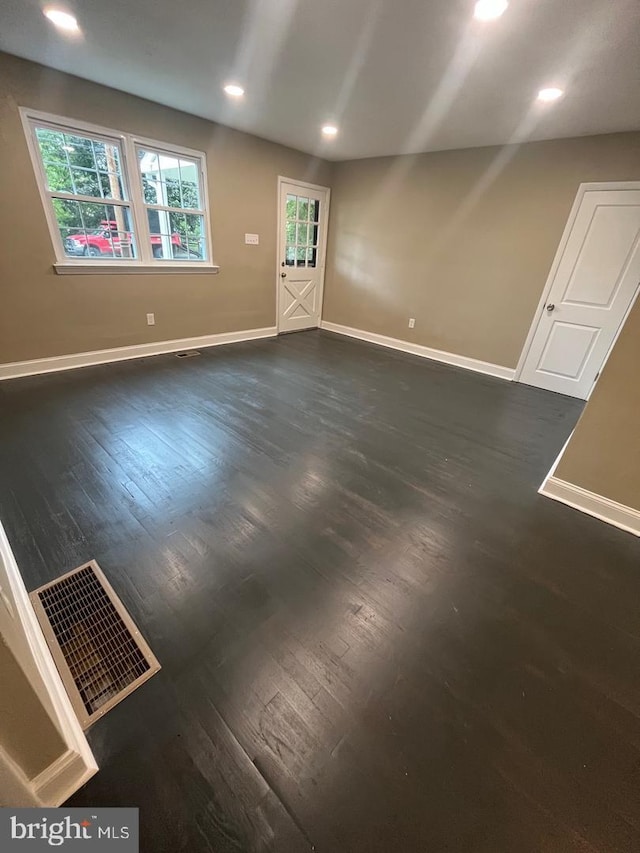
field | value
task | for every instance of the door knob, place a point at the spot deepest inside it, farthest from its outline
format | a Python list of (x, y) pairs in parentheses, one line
[(283, 275), (550, 307)]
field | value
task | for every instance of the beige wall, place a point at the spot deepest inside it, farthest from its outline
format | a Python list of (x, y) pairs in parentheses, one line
[(42, 314), (603, 455), (27, 734), (460, 240)]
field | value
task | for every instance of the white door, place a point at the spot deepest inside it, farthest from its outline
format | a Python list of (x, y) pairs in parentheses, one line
[(593, 283), (302, 241)]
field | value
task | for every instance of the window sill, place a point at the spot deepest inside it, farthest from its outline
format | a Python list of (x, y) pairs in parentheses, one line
[(98, 268)]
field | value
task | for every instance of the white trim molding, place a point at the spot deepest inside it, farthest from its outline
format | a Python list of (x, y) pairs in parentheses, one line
[(76, 765), (98, 268), (464, 361), (619, 515), (16, 369), (62, 779)]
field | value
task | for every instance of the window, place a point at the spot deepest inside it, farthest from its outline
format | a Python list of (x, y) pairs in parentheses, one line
[(173, 202), (303, 215), (113, 199)]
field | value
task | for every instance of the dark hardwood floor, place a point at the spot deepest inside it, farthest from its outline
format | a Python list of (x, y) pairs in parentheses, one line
[(375, 635)]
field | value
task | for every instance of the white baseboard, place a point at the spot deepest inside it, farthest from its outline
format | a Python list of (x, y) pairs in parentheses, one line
[(619, 515), (16, 790), (424, 352), (60, 780), (14, 370)]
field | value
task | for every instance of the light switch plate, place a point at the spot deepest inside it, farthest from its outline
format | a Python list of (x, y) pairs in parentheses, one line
[(252, 239)]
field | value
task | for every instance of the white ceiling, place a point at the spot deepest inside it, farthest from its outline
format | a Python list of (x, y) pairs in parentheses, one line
[(395, 75)]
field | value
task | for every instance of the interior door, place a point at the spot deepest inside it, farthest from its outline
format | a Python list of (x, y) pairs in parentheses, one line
[(302, 242), (595, 282)]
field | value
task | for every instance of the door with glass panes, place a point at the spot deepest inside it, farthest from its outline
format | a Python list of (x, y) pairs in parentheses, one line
[(302, 240)]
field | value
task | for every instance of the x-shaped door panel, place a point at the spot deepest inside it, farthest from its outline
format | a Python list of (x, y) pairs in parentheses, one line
[(299, 299)]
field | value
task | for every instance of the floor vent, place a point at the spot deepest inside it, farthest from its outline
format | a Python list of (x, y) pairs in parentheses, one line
[(188, 353), (97, 648)]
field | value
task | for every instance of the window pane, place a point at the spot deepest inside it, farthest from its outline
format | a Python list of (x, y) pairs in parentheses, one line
[(150, 191), (170, 167), (290, 258), (111, 185), (169, 180), (190, 184), (291, 232), (303, 232), (162, 240), (291, 207), (86, 182), (153, 187), (103, 156), (94, 230), (174, 198), (303, 208), (78, 150), (193, 237), (51, 142), (301, 256), (314, 210), (58, 177), (54, 158), (177, 236)]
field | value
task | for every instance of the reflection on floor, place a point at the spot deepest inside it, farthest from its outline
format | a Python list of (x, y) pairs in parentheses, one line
[(375, 635)]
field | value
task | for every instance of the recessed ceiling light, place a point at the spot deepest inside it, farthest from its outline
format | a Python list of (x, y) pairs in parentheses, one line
[(551, 94), (330, 130), (63, 20), (488, 10), (234, 90)]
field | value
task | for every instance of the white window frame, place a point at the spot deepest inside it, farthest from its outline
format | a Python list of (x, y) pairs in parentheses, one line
[(128, 144)]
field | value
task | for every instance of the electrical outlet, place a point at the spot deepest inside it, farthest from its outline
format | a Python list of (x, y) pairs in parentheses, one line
[(252, 239), (151, 319), (412, 322)]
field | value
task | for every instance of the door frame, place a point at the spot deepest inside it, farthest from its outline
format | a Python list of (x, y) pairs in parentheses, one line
[(22, 634), (322, 246), (584, 188)]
